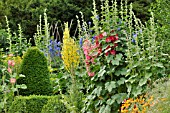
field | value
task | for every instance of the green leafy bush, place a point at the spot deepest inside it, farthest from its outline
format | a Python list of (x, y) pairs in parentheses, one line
[(28, 104), (54, 105), (34, 67)]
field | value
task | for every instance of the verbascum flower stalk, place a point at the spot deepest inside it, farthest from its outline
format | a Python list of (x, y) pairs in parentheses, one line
[(69, 51)]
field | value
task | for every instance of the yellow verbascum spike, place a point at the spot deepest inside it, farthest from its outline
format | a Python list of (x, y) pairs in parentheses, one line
[(69, 51)]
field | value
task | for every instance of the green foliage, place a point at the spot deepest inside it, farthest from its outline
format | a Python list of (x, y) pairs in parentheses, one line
[(28, 104), (16, 44), (34, 67), (161, 10), (54, 105), (127, 57), (107, 88)]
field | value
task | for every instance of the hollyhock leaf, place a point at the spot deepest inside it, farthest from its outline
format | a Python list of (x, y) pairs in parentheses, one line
[(109, 58), (115, 62), (98, 90), (121, 81), (102, 71), (110, 101), (110, 85), (119, 57), (102, 109), (142, 81), (21, 75)]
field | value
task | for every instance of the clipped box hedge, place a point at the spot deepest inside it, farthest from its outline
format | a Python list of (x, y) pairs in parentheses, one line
[(32, 104)]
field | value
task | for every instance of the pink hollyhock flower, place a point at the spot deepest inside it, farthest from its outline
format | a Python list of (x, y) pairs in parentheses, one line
[(88, 57), (104, 34), (92, 60), (9, 70), (9, 62), (99, 51), (13, 63), (12, 80), (91, 74), (113, 52)]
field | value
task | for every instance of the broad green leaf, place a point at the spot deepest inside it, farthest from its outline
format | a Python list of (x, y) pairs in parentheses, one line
[(119, 97), (142, 81), (109, 58), (115, 62), (110, 101), (121, 81), (21, 75), (101, 72), (119, 57), (110, 85), (137, 91), (102, 109), (107, 109), (148, 75), (23, 86), (123, 71), (98, 90)]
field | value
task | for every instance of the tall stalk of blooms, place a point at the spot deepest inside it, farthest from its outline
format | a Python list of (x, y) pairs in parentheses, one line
[(71, 61), (69, 52)]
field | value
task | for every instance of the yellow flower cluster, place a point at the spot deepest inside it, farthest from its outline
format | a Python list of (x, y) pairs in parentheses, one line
[(138, 105), (69, 51)]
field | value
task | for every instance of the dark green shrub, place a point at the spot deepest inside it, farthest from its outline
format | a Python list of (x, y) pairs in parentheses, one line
[(34, 67), (28, 104), (54, 105)]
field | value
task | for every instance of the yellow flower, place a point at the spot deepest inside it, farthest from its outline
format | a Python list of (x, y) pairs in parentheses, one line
[(69, 51)]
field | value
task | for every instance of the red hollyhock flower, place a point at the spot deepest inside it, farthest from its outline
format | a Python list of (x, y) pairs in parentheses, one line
[(116, 37), (108, 39), (100, 36), (108, 47), (113, 52), (107, 53), (115, 44)]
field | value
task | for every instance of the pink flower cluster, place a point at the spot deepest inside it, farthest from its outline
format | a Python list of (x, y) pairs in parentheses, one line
[(88, 49), (11, 64), (91, 51)]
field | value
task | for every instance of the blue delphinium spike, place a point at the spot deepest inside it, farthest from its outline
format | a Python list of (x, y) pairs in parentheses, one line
[(81, 42), (134, 41)]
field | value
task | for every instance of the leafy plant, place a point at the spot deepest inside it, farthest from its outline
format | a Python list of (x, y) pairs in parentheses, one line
[(9, 86), (122, 56)]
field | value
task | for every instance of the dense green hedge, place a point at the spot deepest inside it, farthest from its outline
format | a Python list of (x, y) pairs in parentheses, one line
[(54, 105), (37, 78), (33, 104)]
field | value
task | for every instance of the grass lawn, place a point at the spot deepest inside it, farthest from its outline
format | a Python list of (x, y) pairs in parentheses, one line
[(161, 94)]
